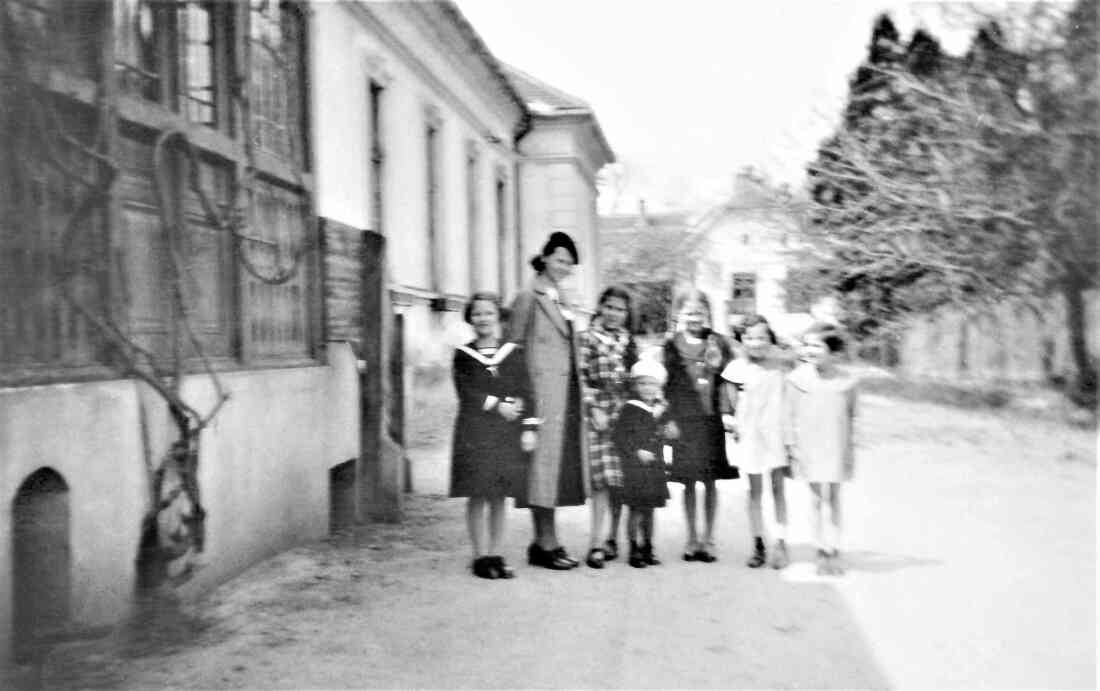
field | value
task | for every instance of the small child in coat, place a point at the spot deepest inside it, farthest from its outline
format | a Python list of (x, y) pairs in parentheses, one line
[(639, 437)]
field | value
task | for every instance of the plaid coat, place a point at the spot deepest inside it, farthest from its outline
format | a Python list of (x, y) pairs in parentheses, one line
[(606, 357)]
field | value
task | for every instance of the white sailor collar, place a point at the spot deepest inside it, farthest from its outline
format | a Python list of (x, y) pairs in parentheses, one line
[(497, 358), (643, 405)]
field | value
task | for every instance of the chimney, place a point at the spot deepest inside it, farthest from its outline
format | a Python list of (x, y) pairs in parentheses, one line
[(641, 209)]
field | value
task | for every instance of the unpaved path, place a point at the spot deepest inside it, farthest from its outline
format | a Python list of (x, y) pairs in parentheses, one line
[(971, 564)]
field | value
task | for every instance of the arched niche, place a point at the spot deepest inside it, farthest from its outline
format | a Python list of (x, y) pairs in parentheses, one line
[(41, 559)]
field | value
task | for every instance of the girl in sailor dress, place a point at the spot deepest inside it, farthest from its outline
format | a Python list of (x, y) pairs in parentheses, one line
[(494, 429)]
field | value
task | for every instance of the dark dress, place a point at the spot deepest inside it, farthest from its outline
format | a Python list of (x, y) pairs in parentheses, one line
[(693, 391), (644, 482), (486, 459)]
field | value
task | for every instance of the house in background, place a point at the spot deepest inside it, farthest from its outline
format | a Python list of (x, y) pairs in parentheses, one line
[(751, 244)]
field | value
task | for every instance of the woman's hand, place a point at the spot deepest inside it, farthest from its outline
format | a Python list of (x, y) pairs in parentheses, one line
[(600, 419), (529, 440), (728, 423), (508, 410), (671, 430), (646, 456), (792, 455)]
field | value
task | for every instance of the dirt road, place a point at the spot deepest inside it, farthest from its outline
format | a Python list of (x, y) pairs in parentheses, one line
[(971, 564)]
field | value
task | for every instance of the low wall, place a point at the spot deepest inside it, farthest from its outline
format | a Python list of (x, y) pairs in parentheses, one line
[(1011, 343), (263, 472)]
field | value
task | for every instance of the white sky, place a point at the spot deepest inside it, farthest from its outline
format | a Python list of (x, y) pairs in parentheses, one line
[(689, 92)]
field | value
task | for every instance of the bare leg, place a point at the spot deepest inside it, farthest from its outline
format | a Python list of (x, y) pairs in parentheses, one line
[(544, 527), (601, 501), (756, 509), (616, 514), (689, 515), (780, 559), (496, 524), (817, 508), (816, 489), (836, 516), (836, 519), (475, 523), (779, 498), (551, 529), (634, 525), (710, 511)]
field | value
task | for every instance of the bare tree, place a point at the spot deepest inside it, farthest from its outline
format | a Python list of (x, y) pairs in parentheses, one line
[(968, 181)]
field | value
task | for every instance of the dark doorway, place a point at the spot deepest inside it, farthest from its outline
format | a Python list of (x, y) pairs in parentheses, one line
[(41, 560), (341, 496)]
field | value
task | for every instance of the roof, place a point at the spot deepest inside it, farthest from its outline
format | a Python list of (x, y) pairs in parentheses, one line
[(496, 67), (542, 98), (549, 102), (652, 220)]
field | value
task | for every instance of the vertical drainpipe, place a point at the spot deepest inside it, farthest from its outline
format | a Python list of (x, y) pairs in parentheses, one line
[(521, 131)]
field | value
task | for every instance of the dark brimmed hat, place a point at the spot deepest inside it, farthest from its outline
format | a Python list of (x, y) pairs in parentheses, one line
[(559, 239)]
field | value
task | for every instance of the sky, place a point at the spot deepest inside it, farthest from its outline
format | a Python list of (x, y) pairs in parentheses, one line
[(689, 92)]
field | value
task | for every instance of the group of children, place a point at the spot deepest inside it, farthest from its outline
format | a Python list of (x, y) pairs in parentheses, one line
[(708, 408), (715, 410)]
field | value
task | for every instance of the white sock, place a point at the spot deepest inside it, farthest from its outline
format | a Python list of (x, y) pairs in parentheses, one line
[(779, 532)]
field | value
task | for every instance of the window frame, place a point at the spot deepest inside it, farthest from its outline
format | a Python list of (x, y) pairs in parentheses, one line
[(221, 144)]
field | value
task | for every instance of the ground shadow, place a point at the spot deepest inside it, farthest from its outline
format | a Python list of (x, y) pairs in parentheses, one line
[(865, 561)]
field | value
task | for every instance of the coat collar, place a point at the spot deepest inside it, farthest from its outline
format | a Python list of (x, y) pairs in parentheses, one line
[(546, 302)]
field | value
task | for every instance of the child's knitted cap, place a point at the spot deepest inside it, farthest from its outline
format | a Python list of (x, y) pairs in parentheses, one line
[(649, 368)]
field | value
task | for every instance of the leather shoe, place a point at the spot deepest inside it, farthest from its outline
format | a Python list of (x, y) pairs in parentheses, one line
[(548, 559)]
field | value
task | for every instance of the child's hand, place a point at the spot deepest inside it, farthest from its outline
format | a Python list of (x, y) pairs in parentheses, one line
[(646, 456), (728, 423), (671, 431), (529, 440), (600, 420), (659, 408), (508, 410)]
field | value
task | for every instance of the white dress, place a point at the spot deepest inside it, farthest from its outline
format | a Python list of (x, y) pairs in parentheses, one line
[(758, 416), (818, 423)]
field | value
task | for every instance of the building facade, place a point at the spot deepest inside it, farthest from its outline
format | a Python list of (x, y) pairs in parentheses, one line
[(169, 407), (460, 166)]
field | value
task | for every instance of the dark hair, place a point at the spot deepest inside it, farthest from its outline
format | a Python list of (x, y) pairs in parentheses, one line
[(696, 295), (830, 335), (557, 239), (755, 320), (624, 295), (484, 295)]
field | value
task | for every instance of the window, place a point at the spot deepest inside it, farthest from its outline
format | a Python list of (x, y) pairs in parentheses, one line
[(473, 212), (177, 55), (743, 294), (249, 298)]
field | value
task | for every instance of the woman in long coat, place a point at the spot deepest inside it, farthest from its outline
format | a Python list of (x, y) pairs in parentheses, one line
[(543, 325)]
